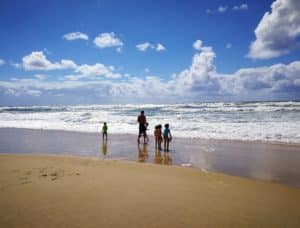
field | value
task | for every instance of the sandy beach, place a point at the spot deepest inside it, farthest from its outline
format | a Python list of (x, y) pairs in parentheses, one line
[(66, 191)]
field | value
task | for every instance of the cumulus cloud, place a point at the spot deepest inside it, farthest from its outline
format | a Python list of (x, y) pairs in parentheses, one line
[(144, 46), (107, 40), (38, 61), (147, 46), (75, 36), (2, 62), (96, 70), (240, 7), (199, 81), (278, 31), (201, 75), (197, 45), (160, 47)]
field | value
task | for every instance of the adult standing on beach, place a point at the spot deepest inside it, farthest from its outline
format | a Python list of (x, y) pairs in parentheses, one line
[(142, 128)]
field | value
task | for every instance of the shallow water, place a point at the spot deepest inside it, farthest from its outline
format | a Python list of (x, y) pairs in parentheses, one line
[(257, 160)]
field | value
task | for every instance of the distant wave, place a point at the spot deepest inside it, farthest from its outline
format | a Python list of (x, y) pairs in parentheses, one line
[(267, 121)]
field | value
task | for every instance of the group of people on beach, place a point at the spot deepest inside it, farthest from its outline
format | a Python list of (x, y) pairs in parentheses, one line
[(159, 135)]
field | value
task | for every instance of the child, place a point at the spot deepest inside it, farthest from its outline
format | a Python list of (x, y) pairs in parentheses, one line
[(157, 135), (167, 137), (104, 131)]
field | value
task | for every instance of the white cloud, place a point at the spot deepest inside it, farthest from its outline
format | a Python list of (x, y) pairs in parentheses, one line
[(197, 45), (75, 36), (2, 62), (147, 46), (278, 31), (199, 81), (144, 46), (222, 9), (38, 61), (146, 70), (107, 40), (98, 69), (240, 7), (201, 73), (160, 47)]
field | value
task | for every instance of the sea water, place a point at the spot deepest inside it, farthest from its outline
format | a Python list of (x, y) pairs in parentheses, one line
[(265, 121)]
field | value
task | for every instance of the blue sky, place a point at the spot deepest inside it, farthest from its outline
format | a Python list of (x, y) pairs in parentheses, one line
[(106, 51)]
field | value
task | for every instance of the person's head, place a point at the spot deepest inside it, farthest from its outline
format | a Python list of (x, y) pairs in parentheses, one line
[(142, 112), (166, 125), (159, 126), (104, 123), (146, 124), (156, 127)]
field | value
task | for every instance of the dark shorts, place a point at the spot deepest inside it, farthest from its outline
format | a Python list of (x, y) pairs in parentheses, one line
[(142, 129)]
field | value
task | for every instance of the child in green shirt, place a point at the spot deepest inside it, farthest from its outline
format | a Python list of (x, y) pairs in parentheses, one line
[(104, 131)]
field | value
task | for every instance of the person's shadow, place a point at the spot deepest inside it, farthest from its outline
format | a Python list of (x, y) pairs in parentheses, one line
[(142, 152), (104, 149)]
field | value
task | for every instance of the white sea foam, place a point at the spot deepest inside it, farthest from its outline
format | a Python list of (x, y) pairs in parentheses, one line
[(267, 121)]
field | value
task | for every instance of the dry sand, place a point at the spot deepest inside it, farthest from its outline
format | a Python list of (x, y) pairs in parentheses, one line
[(56, 191)]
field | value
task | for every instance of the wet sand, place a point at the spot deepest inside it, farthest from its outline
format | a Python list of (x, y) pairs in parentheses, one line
[(256, 160), (60, 191)]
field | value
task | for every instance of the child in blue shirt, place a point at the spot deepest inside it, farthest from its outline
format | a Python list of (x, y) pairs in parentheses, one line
[(167, 137)]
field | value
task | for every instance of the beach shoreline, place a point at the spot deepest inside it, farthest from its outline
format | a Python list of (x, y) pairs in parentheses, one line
[(270, 162), (69, 191), (150, 134)]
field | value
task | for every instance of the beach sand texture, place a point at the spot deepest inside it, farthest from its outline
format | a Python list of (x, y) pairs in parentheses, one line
[(60, 191)]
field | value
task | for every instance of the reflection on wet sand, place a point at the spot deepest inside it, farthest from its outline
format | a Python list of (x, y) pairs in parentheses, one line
[(158, 159), (142, 152), (165, 159), (104, 149), (258, 160)]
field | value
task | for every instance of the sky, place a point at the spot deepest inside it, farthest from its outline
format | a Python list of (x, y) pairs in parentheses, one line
[(59, 52)]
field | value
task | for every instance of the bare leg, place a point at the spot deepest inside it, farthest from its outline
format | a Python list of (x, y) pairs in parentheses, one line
[(167, 144), (139, 138)]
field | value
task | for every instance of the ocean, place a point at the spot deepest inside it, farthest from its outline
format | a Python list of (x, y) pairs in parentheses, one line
[(251, 121)]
